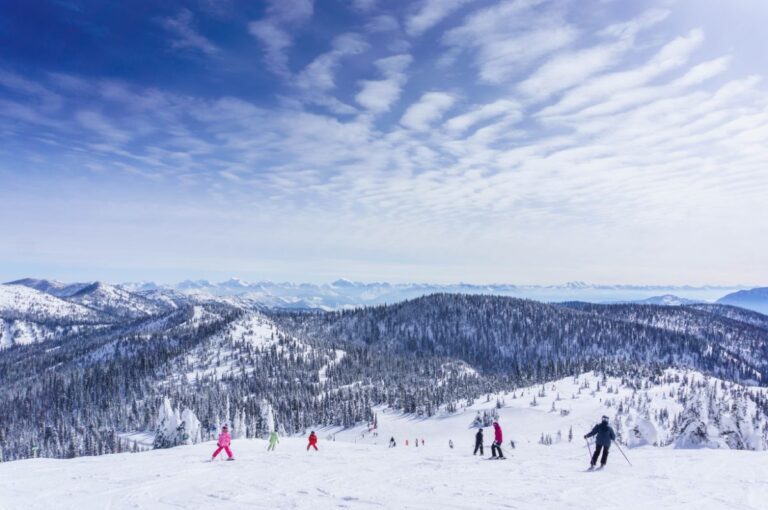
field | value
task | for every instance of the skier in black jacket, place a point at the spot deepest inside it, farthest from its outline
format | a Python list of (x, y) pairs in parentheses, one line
[(605, 435), (479, 442)]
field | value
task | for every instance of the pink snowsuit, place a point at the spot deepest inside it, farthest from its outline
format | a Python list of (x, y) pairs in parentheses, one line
[(224, 441)]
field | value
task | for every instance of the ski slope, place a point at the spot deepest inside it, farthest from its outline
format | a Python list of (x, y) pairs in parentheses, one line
[(355, 469), (348, 475)]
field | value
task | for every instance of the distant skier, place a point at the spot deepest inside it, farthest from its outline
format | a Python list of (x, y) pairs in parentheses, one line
[(417, 442), (392, 442), (498, 438), (450, 444), (605, 435), (223, 444), (406, 442), (479, 442), (273, 440), (422, 441), (312, 441)]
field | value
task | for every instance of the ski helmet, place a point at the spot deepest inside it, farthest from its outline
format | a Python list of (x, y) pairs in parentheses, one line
[(606, 419)]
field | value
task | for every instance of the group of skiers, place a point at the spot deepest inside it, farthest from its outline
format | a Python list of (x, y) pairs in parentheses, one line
[(498, 437), (225, 440), (604, 436)]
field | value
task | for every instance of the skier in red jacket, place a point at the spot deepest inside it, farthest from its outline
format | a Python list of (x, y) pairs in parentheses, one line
[(496, 446), (312, 441)]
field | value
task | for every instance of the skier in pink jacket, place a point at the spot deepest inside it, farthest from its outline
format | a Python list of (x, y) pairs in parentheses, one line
[(498, 438), (224, 441)]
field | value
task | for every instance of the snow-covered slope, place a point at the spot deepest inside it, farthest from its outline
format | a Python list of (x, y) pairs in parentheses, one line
[(18, 300), (52, 287), (116, 301), (28, 316), (354, 468)]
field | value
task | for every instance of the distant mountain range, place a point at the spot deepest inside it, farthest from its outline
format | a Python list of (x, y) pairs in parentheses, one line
[(754, 299), (346, 294)]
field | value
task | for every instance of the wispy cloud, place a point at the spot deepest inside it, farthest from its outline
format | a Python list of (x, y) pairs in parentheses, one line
[(507, 37), (274, 31), (379, 95), (431, 12), (185, 36), (429, 109)]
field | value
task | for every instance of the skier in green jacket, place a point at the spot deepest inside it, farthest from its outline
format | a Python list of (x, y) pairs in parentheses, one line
[(273, 440)]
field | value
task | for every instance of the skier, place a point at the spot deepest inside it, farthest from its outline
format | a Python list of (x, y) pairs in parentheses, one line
[(223, 444), (450, 444), (273, 440), (312, 441), (479, 442), (416, 442), (392, 442), (605, 435), (422, 441), (496, 446)]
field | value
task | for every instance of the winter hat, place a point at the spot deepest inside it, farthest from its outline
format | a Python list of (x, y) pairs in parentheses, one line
[(225, 427), (605, 418)]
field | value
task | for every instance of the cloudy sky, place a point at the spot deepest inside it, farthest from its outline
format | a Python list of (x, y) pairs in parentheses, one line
[(520, 141)]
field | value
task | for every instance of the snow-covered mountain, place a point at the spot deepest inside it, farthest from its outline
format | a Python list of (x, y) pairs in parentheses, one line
[(115, 301), (667, 300), (52, 287), (28, 315), (753, 299)]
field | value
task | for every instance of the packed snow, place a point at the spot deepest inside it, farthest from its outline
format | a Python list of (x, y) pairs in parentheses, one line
[(355, 468)]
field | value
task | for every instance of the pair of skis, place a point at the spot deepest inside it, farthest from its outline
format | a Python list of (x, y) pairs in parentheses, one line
[(589, 448)]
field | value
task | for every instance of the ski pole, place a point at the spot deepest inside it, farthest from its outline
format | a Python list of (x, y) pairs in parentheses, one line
[(589, 448), (622, 452)]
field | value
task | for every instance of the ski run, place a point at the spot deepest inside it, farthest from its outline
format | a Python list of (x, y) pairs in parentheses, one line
[(356, 468)]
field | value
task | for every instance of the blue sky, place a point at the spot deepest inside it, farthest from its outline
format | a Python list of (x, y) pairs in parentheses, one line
[(523, 141)]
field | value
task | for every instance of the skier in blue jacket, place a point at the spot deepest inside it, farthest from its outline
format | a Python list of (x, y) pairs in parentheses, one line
[(604, 436)]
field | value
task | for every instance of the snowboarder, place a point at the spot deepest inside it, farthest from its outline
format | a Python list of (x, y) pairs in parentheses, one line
[(273, 440), (392, 442), (496, 446), (605, 435), (312, 441), (450, 444), (223, 444), (479, 442)]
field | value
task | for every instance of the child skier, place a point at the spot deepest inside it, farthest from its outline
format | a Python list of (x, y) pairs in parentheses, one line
[(273, 440), (479, 442), (496, 446), (312, 441), (605, 435), (223, 444)]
